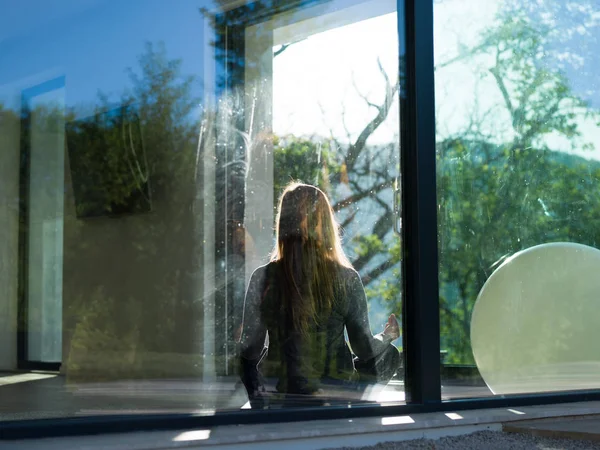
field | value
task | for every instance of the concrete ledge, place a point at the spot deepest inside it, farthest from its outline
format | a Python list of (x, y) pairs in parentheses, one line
[(318, 434)]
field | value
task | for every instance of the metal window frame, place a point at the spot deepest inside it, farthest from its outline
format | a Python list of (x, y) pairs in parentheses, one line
[(81, 426), (421, 323), (421, 305)]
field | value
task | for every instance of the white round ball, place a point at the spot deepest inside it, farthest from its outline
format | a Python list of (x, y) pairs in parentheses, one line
[(535, 325)]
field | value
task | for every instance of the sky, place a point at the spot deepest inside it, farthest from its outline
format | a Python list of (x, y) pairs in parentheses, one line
[(93, 42), (323, 78)]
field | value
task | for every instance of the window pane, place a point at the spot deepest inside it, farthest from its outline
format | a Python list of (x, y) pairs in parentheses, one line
[(144, 149), (518, 174)]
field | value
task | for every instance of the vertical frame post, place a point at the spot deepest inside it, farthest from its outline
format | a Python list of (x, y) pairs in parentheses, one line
[(421, 327)]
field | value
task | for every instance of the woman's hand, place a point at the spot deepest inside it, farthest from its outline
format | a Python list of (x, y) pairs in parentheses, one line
[(391, 328)]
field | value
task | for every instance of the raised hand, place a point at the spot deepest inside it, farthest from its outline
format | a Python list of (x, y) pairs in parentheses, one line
[(391, 328)]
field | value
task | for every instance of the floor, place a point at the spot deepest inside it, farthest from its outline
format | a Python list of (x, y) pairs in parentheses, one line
[(44, 395)]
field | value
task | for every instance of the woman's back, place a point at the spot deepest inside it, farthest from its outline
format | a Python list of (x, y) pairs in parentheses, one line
[(298, 305), (304, 360)]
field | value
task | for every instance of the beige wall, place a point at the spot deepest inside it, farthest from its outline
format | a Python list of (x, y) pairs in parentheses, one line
[(133, 288), (132, 298), (9, 222)]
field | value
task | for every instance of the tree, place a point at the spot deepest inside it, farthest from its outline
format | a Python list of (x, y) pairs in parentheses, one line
[(357, 176), (132, 318), (498, 195)]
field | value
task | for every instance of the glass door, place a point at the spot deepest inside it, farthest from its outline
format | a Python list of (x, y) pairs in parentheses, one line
[(311, 95)]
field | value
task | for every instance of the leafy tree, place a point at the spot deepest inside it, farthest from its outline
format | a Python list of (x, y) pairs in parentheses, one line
[(145, 307), (496, 198)]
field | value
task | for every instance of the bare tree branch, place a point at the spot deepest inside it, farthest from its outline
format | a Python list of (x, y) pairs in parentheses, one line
[(527, 136), (348, 220), (360, 195), (500, 82), (378, 271), (344, 124), (361, 95), (383, 110), (280, 50), (463, 55)]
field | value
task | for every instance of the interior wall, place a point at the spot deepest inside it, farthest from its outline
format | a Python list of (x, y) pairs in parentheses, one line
[(259, 211), (9, 229), (132, 293), (138, 290), (45, 226)]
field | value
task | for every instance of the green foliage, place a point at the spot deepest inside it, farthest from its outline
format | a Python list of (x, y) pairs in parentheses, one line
[(389, 289), (367, 244), (302, 159), (108, 163), (494, 203), (145, 305)]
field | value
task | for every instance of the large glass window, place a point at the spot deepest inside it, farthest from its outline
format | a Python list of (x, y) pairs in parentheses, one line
[(144, 150), (200, 204), (517, 126)]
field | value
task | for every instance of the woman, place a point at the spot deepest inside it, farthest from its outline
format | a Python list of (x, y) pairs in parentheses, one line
[(297, 306)]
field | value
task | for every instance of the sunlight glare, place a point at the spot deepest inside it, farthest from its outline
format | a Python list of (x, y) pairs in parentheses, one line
[(396, 420), (196, 435)]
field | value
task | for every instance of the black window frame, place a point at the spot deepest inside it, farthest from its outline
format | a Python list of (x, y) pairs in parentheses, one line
[(420, 274)]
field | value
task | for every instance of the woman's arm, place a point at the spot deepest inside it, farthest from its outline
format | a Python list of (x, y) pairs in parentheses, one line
[(363, 343), (254, 341)]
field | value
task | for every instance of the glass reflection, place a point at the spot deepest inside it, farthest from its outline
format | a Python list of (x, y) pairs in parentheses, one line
[(141, 190), (517, 116)]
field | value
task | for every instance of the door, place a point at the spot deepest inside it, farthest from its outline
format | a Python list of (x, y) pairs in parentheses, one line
[(311, 93)]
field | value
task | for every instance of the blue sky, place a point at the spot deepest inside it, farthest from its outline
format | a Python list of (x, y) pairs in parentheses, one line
[(93, 42)]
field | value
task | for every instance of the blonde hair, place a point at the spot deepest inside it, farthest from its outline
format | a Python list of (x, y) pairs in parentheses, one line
[(309, 251)]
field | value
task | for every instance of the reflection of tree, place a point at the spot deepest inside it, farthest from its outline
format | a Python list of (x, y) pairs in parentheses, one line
[(111, 143), (497, 193), (500, 194), (129, 282), (537, 98)]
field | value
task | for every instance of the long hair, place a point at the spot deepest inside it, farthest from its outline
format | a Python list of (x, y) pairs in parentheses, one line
[(309, 253)]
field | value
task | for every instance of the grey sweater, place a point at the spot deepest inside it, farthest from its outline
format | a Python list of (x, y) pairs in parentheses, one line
[(302, 362)]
